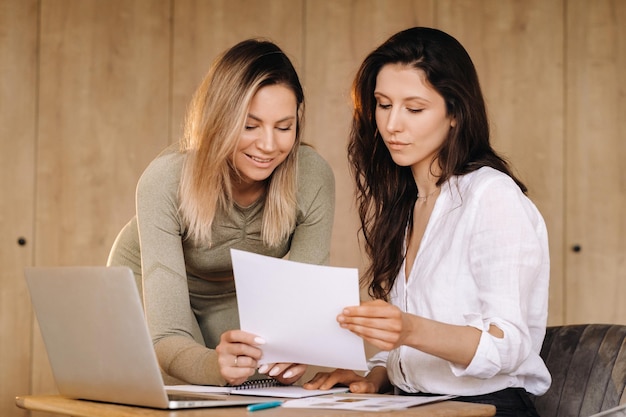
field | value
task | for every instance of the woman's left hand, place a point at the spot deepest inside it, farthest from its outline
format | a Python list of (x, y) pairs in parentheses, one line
[(238, 355), (378, 322), (285, 373), (387, 327)]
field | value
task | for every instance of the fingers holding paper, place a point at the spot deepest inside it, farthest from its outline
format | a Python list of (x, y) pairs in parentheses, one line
[(238, 355), (285, 373), (378, 322)]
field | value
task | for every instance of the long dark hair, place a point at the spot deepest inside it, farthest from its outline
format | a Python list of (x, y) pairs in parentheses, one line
[(385, 192)]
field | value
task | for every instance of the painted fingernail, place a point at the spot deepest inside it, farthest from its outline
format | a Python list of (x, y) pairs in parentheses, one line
[(275, 371), (288, 374), (263, 369), (259, 340)]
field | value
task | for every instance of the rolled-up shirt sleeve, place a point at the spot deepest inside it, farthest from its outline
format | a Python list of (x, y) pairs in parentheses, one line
[(379, 359), (506, 259)]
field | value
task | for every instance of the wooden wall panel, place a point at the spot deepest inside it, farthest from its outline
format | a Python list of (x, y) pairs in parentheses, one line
[(18, 92), (596, 146), (517, 48), (103, 115), (205, 28), (339, 34)]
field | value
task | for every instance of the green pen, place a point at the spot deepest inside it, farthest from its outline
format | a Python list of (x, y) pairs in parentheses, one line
[(263, 406)]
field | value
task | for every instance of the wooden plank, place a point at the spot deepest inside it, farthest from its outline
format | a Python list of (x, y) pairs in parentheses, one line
[(339, 34), (18, 92), (103, 115), (595, 131), (517, 48), (205, 28)]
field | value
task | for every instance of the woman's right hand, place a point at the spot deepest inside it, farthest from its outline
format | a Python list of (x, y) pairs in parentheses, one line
[(238, 354), (356, 383)]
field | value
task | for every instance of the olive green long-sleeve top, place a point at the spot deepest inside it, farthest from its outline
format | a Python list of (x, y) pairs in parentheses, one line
[(188, 289)]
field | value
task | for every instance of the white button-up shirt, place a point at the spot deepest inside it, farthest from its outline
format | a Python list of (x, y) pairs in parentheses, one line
[(483, 260)]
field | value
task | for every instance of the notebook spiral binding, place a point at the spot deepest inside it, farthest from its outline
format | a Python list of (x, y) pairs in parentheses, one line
[(258, 383)]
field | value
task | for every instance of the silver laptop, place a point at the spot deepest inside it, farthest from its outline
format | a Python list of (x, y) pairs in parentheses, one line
[(94, 330)]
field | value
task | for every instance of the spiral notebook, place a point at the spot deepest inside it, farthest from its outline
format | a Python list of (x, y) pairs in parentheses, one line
[(260, 387)]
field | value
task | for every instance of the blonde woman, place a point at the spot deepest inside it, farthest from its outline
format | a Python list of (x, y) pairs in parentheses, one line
[(241, 178)]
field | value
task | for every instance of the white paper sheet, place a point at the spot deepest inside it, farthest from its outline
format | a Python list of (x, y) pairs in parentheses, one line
[(294, 307), (365, 402)]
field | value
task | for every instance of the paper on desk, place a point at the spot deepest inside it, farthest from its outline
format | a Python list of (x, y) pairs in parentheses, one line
[(294, 307), (366, 402)]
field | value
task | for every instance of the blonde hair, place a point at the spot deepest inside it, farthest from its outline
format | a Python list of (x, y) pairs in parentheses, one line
[(215, 120)]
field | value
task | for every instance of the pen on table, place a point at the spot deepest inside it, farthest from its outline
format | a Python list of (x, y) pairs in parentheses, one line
[(263, 406)]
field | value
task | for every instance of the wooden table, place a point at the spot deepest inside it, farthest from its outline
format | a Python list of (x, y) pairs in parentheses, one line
[(80, 408)]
